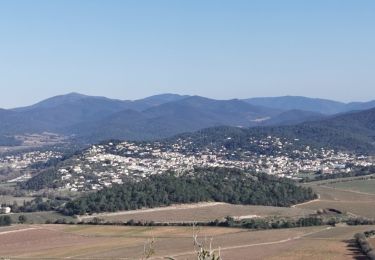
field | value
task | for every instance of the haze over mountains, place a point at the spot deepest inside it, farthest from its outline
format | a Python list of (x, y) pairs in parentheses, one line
[(95, 119)]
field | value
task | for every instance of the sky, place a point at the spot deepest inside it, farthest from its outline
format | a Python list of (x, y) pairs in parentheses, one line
[(215, 48)]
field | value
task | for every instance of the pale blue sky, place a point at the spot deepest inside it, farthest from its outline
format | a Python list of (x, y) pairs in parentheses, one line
[(221, 49)]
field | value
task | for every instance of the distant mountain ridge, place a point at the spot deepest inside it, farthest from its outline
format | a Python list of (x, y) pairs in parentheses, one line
[(318, 105), (93, 119), (74, 98), (188, 114)]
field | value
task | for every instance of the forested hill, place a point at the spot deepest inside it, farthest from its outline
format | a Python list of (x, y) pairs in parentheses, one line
[(354, 132), (203, 184)]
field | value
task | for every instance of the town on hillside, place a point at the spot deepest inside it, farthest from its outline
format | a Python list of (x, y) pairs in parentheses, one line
[(105, 164)]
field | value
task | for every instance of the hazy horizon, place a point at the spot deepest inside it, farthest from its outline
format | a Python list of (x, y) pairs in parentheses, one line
[(217, 49)]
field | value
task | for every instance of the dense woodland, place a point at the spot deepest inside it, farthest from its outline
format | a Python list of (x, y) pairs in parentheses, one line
[(212, 184), (45, 179)]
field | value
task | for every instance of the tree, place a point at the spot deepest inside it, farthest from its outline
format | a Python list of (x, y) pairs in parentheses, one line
[(5, 221), (22, 219)]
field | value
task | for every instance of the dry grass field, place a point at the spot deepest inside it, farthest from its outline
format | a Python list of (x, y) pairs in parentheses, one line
[(11, 199), (350, 201), (40, 217), (199, 212), (365, 186), (119, 242)]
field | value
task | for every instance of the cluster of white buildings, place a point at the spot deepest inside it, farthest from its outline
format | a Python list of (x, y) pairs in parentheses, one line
[(104, 165), (24, 160)]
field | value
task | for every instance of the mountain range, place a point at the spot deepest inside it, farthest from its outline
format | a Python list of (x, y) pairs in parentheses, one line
[(93, 119)]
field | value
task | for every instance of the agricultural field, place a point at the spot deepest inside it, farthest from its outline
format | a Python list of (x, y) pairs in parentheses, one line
[(200, 212), (101, 242), (365, 186), (355, 203), (11, 199)]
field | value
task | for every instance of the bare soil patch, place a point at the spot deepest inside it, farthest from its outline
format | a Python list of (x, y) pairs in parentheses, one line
[(30, 239)]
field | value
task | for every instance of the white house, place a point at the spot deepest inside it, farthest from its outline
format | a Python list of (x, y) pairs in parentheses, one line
[(5, 210)]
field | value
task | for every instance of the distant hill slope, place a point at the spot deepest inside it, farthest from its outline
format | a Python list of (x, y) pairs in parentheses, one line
[(354, 131), (294, 116), (14, 123), (155, 100), (189, 114), (57, 101), (61, 112), (199, 110), (360, 105), (58, 112), (101, 103), (323, 106)]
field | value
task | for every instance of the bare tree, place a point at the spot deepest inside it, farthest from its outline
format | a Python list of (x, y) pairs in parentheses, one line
[(148, 249), (204, 249)]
